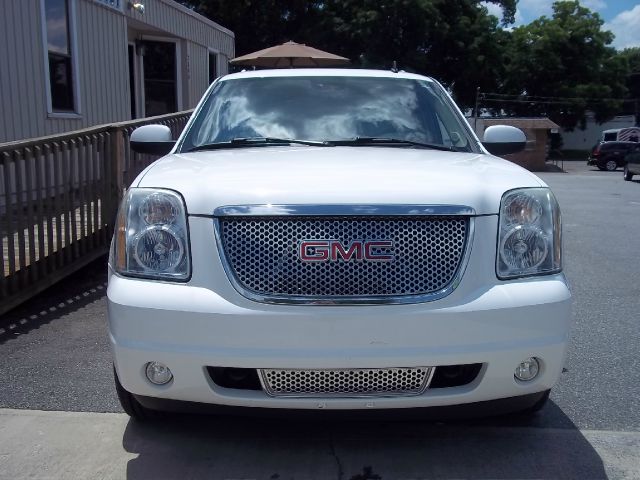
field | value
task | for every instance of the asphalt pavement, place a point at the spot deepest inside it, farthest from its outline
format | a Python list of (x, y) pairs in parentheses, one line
[(54, 358), (601, 228)]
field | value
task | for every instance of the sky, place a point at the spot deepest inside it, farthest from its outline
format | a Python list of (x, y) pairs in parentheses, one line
[(622, 17)]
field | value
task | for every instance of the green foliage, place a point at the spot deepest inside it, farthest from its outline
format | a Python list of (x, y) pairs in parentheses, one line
[(259, 24), (455, 41), (555, 141), (567, 55), (631, 59), (575, 154)]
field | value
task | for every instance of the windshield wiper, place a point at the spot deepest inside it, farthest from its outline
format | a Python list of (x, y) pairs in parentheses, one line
[(390, 141), (257, 141)]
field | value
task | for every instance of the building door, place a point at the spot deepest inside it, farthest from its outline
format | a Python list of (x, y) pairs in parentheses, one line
[(160, 79)]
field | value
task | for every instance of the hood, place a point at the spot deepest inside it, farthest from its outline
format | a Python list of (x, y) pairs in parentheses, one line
[(336, 175)]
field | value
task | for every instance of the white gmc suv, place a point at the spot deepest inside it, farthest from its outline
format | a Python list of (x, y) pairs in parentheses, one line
[(336, 240)]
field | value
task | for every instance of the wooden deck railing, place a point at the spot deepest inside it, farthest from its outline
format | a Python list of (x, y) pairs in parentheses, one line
[(59, 197)]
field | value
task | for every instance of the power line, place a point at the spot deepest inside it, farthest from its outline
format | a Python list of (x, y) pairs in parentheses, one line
[(542, 99), (539, 100), (547, 102)]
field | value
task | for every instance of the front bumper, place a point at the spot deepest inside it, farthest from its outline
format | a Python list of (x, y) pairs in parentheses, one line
[(189, 328), (444, 412)]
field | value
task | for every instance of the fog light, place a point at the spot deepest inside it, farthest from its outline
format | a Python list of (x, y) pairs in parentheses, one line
[(527, 370), (158, 373)]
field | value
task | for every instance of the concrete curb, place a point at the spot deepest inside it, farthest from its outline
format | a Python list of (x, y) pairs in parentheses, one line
[(75, 445)]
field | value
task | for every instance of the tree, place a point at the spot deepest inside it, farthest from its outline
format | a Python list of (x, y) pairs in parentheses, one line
[(456, 41), (565, 56), (259, 24), (631, 57)]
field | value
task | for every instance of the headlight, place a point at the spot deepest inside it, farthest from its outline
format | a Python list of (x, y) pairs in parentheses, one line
[(529, 241), (151, 239)]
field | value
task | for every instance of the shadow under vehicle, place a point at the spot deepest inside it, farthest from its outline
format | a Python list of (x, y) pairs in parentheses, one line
[(353, 448)]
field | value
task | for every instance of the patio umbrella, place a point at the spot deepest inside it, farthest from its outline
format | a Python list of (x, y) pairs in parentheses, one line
[(289, 55)]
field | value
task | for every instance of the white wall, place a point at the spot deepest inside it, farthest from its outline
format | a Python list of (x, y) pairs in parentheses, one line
[(102, 69), (585, 139)]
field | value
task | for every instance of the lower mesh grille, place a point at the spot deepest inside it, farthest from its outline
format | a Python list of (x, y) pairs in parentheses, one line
[(351, 382)]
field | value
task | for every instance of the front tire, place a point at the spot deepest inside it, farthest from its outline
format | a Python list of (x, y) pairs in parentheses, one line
[(131, 406), (611, 165), (536, 407), (627, 174)]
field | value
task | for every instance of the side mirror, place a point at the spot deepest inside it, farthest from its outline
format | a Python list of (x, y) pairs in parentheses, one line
[(504, 139), (152, 139)]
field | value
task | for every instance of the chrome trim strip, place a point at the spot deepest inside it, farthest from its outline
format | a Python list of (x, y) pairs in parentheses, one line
[(263, 382), (267, 210), (346, 300)]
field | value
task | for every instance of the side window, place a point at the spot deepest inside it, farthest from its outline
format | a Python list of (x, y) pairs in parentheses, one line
[(213, 67), (446, 139), (451, 131), (62, 86), (450, 139)]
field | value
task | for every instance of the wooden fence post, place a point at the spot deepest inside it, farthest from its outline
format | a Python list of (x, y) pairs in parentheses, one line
[(117, 162), (52, 187)]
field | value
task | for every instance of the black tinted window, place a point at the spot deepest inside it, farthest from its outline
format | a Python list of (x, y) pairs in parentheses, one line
[(59, 55), (56, 14), (159, 78)]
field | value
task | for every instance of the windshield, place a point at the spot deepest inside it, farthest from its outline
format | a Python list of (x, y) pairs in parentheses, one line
[(332, 108)]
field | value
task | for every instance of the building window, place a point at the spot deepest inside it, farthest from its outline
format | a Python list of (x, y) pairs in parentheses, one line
[(213, 66), (59, 51), (117, 4)]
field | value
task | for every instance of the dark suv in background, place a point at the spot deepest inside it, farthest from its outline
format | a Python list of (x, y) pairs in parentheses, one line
[(632, 162), (610, 155)]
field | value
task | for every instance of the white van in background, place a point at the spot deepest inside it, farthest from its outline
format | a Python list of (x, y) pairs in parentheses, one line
[(631, 134)]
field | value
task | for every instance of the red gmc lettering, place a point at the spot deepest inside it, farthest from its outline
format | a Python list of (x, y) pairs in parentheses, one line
[(334, 250), (314, 250), (369, 254), (337, 250)]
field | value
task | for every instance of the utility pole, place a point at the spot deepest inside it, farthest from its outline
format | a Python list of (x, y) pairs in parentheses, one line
[(477, 112)]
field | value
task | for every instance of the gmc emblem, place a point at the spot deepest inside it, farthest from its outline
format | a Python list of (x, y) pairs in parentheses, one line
[(334, 250)]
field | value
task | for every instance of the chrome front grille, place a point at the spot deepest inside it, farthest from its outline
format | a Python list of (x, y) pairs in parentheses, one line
[(262, 258), (346, 382)]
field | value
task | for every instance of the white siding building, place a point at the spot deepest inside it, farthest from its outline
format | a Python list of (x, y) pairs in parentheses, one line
[(579, 139), (70, 64)]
